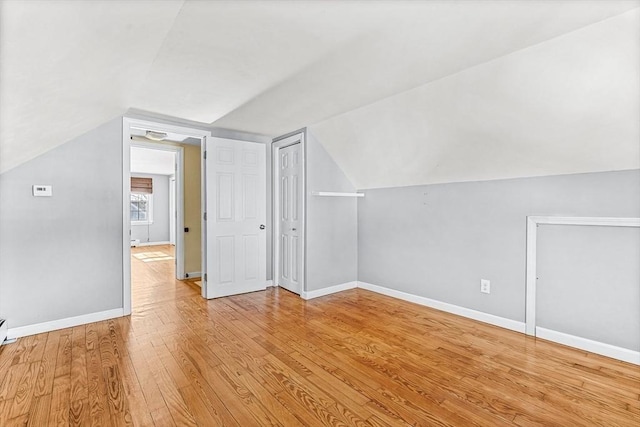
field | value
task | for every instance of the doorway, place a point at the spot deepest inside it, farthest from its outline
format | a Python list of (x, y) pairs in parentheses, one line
[(288, 154), (152, 206), (142, 134)]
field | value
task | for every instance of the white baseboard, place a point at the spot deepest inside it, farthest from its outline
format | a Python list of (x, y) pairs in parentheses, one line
[(330, 290), (513, 325), (3, 330), (194, 275), (608, 350), (269, 283), (38, 328), (153, 243)]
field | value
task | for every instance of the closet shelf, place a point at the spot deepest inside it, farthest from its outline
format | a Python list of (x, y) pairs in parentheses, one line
[(336, 194)]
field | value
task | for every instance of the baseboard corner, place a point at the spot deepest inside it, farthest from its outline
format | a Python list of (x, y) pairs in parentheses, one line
[(307, 295)]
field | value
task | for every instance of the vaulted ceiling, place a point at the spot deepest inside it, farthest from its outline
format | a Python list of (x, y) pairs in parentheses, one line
[(379, 80)]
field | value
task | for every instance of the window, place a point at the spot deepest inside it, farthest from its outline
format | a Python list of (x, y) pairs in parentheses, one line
[(141, 200), (141, 208)]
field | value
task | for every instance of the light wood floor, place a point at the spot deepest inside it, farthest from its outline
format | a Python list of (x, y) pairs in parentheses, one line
[(270, 358)]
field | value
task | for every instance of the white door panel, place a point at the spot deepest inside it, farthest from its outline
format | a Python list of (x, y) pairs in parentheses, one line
[(290, 209), (236, 211)]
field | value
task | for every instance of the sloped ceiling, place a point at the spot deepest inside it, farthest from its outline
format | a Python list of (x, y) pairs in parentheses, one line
[(67, 67), (265, 67), (568, 105)]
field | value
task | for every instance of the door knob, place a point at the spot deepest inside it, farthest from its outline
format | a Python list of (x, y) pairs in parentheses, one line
[(262, 227)]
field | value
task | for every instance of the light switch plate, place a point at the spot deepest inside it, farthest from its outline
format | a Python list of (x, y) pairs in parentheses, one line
[(42, 190)]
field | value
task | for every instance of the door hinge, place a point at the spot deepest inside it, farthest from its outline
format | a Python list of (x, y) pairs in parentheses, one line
[(205, 277), (205, 155), (205, 216)]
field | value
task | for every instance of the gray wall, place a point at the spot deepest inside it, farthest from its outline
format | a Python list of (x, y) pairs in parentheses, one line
[(159, 230), (61, 256), (332, 222), (589, 282), (438, 241)]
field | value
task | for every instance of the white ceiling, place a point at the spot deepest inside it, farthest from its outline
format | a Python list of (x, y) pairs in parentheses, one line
[(159, 162), (568, 105), (266, 67)]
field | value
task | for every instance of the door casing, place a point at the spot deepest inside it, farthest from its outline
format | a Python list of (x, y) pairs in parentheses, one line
[(297, 137), (127, 124)]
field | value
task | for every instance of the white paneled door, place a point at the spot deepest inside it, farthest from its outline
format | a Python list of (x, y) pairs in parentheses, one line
[(236, 217), (290, 211)]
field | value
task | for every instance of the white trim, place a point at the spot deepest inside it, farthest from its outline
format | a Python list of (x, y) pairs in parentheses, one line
[(597, 347), (153, 243), (329, 290), (297, 137), (69, 322), (336, 194), (531, 275), (194, 275), (270, 283), (127, 124), (575, 220), (203, 223), (126, 215), (503, 322), (3, 330), (159, 126)]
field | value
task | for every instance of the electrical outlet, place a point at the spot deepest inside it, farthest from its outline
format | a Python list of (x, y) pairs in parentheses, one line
[(485, 286)]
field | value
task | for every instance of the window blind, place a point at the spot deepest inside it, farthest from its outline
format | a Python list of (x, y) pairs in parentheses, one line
[(141, 185)]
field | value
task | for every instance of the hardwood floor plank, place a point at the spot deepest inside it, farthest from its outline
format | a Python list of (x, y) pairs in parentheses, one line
[(199, 371), (39, 411), (169, 392), (138, 409), (96, 386), (60, 401), (24, 394), (79, 412), (7, 352), (10, 382), (79, 390), (23, 349), (150, 390), (200, 410), (162, 417), (44, 381)]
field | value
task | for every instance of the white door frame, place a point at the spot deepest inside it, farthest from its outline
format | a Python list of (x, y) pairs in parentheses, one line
[(127, 143), (173, 208), (298, 137)]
